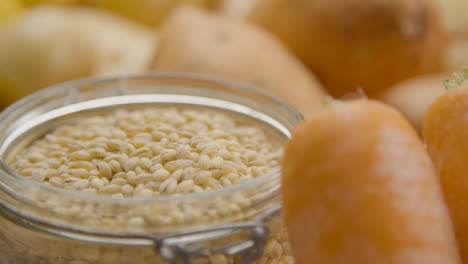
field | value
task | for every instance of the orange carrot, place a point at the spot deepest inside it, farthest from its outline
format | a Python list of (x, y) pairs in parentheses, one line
[(359, 188), (445, 131)]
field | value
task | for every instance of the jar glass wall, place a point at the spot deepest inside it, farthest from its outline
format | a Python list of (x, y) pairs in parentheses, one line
[(236, 224)]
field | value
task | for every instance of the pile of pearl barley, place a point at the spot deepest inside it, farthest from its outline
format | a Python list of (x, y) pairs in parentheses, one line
[(148, 152)]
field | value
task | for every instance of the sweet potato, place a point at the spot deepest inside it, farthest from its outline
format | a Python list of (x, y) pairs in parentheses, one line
[(359, 188), (370, 44), (414, 96), (46, 45), (193, 40)]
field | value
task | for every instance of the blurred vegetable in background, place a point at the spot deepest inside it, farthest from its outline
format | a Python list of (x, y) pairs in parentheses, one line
[(236, 8), (456, 52), (353, 43), (414, 96), (150, 12), (347, 44), (192, 40), (9, 8), (454, 13), (47, 45), (54, 2)]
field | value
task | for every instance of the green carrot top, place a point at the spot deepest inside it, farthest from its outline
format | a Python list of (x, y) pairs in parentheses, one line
[(458, 78)]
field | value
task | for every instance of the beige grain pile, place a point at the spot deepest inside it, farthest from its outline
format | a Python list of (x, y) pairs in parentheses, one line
[(149, 152)]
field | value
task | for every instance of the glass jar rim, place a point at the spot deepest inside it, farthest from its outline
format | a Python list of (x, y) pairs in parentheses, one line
[(291, 112)]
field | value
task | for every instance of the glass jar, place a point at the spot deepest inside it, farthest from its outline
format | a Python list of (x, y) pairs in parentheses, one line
[(236, 224)]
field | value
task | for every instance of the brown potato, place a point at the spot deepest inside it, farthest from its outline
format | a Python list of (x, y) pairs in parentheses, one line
[(370, 44), (193, 40), (414, 96), (46, 45)]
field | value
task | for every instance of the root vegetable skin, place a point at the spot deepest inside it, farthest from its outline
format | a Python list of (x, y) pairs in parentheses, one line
[(149, 12), (192, 40), (236, 8), (8, 9), (456, 52), (51, 2), (47, 45), (445, 133), (414, 96), (454, 15), (369, 44), (358, 187)]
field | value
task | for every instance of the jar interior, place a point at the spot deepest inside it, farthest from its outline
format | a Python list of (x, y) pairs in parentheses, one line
[(32, 117), (32, 212), (36, 128)]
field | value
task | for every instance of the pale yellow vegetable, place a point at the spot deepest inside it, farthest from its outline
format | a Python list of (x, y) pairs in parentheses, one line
[(371, 44), (150, 12), (47, 45), (55, 2), (414, 96), (9, 8), (193, 40)]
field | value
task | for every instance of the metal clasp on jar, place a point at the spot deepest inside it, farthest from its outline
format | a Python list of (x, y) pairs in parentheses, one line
[(181, 248)]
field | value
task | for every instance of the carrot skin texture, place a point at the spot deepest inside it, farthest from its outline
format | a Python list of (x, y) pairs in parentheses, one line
[(445, 132), (358, 187)]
